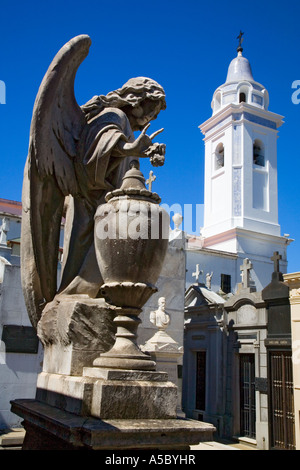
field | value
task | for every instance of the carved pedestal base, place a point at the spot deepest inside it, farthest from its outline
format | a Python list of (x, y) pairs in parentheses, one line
[(110, 394), (48, 428), (79, 406), (131, 394)]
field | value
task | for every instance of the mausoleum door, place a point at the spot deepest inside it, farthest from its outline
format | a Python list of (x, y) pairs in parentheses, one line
[(200, 381), (282, 419), (247, 396)]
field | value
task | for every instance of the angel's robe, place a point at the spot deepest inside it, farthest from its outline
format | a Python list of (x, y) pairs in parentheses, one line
[(100, 167), (102, 155)]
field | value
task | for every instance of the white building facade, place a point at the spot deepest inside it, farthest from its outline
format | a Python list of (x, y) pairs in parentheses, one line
[(232, 261), (240, 196), (21, 353)]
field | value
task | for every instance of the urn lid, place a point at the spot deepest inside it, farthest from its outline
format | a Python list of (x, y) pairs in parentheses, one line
[(133, 178), (134, 185)]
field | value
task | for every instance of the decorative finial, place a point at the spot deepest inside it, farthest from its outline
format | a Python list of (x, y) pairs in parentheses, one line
[(241, 39), (134, 164)]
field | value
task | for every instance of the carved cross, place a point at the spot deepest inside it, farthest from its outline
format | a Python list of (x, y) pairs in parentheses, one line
[(150, 180), (245, 268), (197, 273), (275, 258)]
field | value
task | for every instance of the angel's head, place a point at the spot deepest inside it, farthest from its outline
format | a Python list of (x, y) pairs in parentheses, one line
[(140, 98)]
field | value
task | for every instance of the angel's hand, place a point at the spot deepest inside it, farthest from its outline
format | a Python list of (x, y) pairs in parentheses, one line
[(143, 142), (140, 147)]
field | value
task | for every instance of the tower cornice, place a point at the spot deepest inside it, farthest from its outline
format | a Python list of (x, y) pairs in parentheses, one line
[(240, 108)]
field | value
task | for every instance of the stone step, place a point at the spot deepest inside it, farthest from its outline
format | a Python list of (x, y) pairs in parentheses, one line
[(12, 437)]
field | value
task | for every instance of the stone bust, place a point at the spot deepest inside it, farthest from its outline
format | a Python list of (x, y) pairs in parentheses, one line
[(159, 317)]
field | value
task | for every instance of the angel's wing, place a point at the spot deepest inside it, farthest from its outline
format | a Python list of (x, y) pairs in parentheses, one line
[(56, 126)]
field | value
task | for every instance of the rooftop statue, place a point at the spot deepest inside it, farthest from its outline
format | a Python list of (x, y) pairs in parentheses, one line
[(77, 154)]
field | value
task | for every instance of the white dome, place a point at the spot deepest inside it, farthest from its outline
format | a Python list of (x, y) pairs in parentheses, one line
[(239, 69), (240, 87)]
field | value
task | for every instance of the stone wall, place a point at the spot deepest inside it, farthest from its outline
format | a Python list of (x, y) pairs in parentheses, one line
[(18, 371), (171, 285)]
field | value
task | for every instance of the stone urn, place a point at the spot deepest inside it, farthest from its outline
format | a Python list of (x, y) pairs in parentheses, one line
[(131, 241)]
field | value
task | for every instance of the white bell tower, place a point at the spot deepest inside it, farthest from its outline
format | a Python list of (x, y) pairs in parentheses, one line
[(240, 197)]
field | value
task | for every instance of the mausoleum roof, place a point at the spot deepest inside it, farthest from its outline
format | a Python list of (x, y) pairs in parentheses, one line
[(198, 295), (10, 207)]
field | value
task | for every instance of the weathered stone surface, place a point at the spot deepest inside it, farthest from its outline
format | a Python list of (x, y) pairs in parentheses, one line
[(73, 394), (48, 428), (114, 399), (118, 374), (74, 331), (108, 394)]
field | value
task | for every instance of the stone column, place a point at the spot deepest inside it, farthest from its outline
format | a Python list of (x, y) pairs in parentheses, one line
[(293, 281)]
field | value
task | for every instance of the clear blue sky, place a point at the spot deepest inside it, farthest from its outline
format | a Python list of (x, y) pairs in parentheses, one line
[(186, 46)]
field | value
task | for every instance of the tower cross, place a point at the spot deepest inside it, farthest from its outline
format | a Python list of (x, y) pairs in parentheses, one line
[(150, 180), (197, 273), (240, 38), (245, 268), (275, 258)]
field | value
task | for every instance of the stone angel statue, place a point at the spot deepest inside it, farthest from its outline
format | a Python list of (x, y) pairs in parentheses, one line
[(76, 155)]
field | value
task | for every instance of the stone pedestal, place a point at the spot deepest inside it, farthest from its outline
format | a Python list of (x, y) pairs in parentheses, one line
[(167, 354), (48, 428), (107, 410), (79, 405), (115, 394), (131, 394)]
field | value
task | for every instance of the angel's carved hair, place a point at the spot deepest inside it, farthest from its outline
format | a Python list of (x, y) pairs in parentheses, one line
[(132, 93)]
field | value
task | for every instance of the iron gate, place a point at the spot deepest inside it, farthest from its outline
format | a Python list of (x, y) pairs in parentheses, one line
[(247, 396), (282, 418)]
